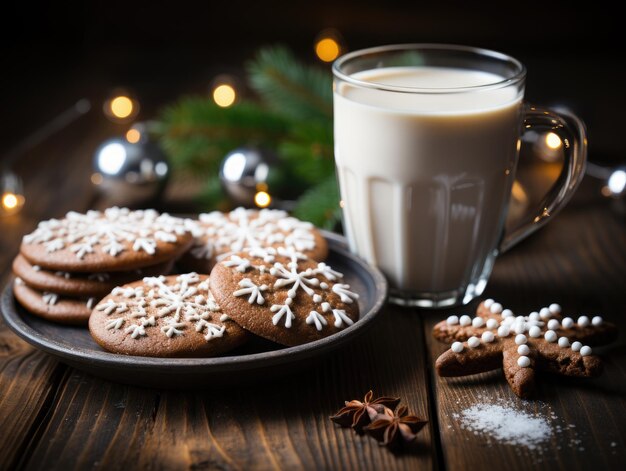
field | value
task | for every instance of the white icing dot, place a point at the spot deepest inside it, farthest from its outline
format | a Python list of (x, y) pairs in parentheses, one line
[(496, 308), (597, 320), (523, 349), (534, 331), (452, 320), (503, 331), (550, 336), (487, 337), (583, 321), (488, 302), (576, 346), (567, 323), (554, 308), (585, 351), (533, 316), (563, 342), (492, 324), (507, 313), (457, 347), (224, 318), (465, 320), (519, 328), (508, 321), (473, 342), (545, 313), (520, 339), (478, 322), (523, 361), (553, 324)]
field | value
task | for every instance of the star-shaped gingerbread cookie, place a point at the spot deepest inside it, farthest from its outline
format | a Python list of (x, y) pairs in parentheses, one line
[(543, 341)]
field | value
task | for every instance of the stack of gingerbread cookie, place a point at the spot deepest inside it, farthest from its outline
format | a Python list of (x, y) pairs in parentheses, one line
[(267, 278), (67, 265)]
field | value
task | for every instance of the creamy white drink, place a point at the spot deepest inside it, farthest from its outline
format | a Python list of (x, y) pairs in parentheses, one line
[(425, 176)]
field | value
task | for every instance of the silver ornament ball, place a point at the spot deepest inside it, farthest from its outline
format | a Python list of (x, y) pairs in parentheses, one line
[(128, 173), (243, 171)]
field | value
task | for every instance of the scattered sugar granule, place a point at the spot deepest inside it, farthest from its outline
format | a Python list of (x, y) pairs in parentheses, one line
[(506, 424)]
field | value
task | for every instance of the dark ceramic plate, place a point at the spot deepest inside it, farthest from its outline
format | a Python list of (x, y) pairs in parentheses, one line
[(74, 345)]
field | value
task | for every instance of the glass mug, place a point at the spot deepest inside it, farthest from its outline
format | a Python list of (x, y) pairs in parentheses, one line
[(427, 139)]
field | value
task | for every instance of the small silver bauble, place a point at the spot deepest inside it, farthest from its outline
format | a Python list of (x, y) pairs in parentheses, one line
[(243, 171), (130, 173)]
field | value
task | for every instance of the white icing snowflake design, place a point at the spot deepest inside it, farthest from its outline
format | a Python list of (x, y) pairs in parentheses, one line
[(111, 232), (242, 229), (180, 307), (294, 280)]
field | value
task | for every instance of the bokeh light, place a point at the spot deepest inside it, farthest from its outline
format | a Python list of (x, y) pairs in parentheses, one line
[(133, 136), (224, 95), (617, 182), (121, 107), (327, 49), (262, 199), (9, 201), (553, 141)]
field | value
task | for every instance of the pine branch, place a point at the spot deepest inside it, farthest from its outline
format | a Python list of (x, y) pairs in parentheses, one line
[(320, 204), (308, 151), (294, 118), (289, 87), (197, 134)]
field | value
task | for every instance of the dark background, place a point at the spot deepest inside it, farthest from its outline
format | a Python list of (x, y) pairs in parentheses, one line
[(54, 53)]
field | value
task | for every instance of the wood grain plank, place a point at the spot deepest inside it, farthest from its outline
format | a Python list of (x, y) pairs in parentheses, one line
[(28, 381), (56, 179), (579, 260), (281, 424)]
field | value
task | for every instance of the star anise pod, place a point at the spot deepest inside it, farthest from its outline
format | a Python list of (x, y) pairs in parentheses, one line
[(357, 414), (395, 430)]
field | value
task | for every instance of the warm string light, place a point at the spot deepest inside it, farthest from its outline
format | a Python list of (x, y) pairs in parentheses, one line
[(328, 45), (262, 199), (11, 194), (133, 135), (121, 107), (224, 95), (11, 202)]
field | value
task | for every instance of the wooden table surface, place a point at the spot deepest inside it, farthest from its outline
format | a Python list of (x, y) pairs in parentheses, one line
[(55, 417)]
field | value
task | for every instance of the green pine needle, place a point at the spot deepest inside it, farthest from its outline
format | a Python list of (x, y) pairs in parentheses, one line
[(289, 87), (320, 204), (197, 134)]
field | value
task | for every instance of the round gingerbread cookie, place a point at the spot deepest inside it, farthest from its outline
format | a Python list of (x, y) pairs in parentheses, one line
[(117, 239), (81, 284), (52, 306), (283, 296), (173, 316), (219, 233)]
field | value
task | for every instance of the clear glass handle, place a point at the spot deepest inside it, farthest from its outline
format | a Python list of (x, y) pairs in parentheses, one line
[(572, 132)]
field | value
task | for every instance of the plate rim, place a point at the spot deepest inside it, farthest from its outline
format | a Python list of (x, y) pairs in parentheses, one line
[(96, 358)]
